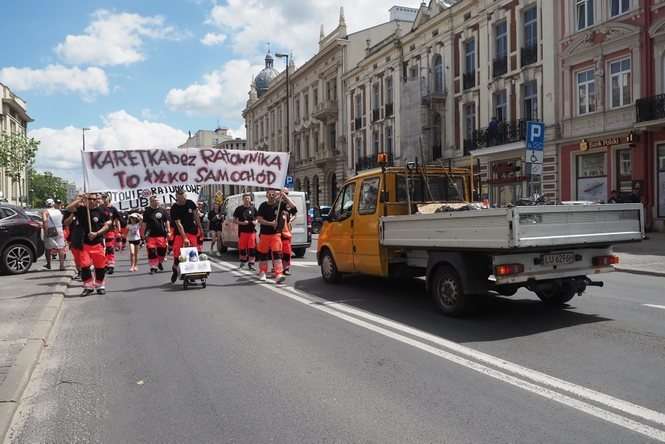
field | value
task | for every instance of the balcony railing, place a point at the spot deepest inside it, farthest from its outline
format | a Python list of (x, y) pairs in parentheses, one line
[(500, 66), (650, 108), (529, 55), (469, 80), (499, 134), (376, 115), (389, 110)]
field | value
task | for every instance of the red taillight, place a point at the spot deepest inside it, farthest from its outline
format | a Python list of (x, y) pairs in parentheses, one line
[(508, 269), (604, 261)]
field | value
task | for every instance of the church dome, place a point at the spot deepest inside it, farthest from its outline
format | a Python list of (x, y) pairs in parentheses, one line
[(266, 76)]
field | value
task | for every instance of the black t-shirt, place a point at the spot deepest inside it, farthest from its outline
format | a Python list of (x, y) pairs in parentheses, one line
[(123, 217), (215, 218), (98, 217), (185, 214), (155, 221), (112, 214), (244, 213), (288, 215)]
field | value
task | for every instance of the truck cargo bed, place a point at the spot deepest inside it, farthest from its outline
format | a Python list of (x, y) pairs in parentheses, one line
[(516, 228)]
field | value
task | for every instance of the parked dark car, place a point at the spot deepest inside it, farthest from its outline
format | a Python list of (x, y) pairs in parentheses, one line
[(20, 240), (319, 215)]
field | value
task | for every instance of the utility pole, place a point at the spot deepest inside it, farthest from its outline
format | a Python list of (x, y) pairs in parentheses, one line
[(288, 119)]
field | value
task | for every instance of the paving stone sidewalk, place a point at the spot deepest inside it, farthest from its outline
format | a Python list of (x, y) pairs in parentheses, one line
[(646, 257)]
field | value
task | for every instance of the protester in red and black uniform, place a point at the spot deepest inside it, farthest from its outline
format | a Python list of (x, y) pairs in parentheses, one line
[(156, 226), (74, 237), (121, 238), (187, 224), (113, 215), (245, 217), (95, 224), (289, 212)]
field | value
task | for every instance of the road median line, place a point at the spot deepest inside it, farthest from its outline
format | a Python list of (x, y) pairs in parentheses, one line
[(470, 358)]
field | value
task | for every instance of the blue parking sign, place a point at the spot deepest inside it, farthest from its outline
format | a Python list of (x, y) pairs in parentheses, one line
[(289, 182), (535, 136)]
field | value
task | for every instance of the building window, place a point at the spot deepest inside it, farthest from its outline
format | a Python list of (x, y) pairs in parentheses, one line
[(359, 105), (438, 74), (501, 106), (624, 171), (470, 56), (331, 90), (592, 177), (389, 89), (376, 140), (376, 96), (315, 96), (584, 13), (469, 120), (305, 99), (619, 7), (501, 40), (389, 140), (661, 180), (307, 152), (530, 104), (296, 106), (586, 92), (620, 78), (531, 27)]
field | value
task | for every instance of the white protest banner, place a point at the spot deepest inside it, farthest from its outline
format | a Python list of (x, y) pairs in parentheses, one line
[(138, 199), (124, 170)]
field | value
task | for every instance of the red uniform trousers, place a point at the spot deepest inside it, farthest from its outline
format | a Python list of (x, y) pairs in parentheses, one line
[(286, 252), (179, 242), (109, 240), (270, 243), (247, 247), (156, 247), (93, 255)]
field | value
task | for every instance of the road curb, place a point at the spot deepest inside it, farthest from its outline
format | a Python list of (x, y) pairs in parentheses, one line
[(19, 375), (642, 272)]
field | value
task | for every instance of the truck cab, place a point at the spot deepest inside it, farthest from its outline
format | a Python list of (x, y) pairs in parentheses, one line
[(349, 241)]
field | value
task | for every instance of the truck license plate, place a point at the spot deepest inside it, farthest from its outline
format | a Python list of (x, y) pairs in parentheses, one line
[(558, 259)]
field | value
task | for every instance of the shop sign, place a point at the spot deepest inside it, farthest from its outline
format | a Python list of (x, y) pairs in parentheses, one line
[(586, 145)]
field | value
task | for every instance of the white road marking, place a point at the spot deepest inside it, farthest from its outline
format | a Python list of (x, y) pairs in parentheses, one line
[(662, 307), (304, 264), (340, 310)]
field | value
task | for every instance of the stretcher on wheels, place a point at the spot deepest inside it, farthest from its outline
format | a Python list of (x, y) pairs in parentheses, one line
[(194, 267)]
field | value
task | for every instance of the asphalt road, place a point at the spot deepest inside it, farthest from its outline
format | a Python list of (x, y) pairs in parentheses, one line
[(367, 361)]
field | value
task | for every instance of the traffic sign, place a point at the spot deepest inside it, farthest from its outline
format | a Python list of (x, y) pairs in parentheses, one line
[(535, 145), (289, 182)]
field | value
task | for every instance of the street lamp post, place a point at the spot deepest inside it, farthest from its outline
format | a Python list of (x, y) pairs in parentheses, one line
[(288, 120)]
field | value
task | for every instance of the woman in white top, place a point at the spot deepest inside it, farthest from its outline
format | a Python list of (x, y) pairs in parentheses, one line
[(134, 239), (54, 238)]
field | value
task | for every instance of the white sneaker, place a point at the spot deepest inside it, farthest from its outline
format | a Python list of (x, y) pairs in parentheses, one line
[(262, 277)]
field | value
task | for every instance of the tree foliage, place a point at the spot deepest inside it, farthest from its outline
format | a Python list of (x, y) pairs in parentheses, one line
[(17, 154), (45, 186)]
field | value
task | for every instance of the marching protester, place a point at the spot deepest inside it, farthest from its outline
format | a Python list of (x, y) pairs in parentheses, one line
[(121, 238), (245, 217), (156, 228), (270, 240), (200, 237), (288, 213), (113, 215), (134, 239), (187, 225), (54, 238), (95, 224), (216, 219), (74, 238)]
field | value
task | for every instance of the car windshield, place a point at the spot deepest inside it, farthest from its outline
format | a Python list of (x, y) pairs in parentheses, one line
[(443, 188)]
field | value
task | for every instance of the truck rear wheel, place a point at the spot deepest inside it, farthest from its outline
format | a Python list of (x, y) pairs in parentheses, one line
[(557, 295), (448, 293), (329, 268)]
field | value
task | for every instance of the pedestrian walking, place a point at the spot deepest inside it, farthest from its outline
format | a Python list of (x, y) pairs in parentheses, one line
[(156, 228), (121, 238), (270, 240), (93, 218), (134, 238), (74, 238), (216, 219), (245, 217), (187, 225), (54, 237), (288, 214), (113, 215)]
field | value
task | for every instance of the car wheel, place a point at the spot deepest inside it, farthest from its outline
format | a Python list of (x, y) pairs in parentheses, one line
[(448, 293), (299, 252), (17, 259), (329, 268)]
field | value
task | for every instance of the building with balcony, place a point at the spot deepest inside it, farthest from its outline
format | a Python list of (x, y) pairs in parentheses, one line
[(612, 125), (14, 119)]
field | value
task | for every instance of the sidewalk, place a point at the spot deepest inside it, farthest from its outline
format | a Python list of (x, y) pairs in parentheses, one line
[(646, 257), (29, 305)]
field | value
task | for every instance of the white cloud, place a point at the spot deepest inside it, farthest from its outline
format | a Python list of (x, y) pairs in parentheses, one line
[(57, 78), (211, 39), (221, 93), (292, 24), (114, 39), (59, 151), (240, 132)]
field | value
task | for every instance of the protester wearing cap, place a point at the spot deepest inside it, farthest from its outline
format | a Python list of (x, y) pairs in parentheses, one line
[(187, 224), (54, 237)]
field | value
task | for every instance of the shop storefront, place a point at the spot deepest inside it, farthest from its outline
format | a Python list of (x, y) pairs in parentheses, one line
[(592, 168)]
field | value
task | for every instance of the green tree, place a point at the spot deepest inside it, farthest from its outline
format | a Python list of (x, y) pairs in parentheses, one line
[(17, 155), (46, 185)]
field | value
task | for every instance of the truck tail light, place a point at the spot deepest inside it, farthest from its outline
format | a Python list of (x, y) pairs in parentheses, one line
[(508, 269), (604, 261)]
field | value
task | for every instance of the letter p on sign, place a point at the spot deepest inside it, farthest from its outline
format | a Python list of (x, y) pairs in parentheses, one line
[(535, 139)]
